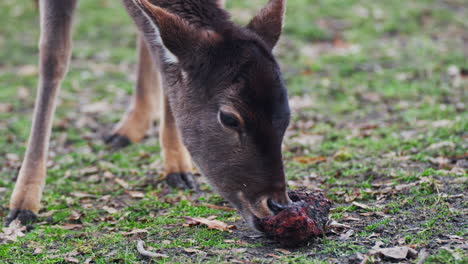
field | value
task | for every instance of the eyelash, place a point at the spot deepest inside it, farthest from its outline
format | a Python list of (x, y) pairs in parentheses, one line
[(228, 120)]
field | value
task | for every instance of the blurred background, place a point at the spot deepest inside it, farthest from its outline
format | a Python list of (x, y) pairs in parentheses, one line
[(378, 91)]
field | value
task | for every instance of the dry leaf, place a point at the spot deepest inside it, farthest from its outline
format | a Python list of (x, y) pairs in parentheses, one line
[(96, 107), (211, 224), (82, 195), (71, 259), (74, 215), (121, 182), (27, 70), (134, 231), (47, 213), (337, 228), (309, 160), (282, 250), (442, 144), (273, 256), (395, 252), (193, 250), (347, 235), (135, 194), (110, 210), (68, 226), (22, 93), (361, 205), (12, 232), (5, 108)]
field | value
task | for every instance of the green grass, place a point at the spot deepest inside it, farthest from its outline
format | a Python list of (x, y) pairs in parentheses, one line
[(379, 95)]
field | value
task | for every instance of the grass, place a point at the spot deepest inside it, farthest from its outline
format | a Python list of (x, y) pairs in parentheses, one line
[(371, 91)]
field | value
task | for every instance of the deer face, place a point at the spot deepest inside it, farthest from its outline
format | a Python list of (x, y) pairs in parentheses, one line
[(229, 102)]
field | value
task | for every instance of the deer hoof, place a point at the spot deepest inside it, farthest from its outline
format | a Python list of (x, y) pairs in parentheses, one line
[(116, 141), (26, 217), (183, 180)]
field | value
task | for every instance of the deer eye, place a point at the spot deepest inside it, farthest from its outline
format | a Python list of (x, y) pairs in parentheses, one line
[(229, 120)]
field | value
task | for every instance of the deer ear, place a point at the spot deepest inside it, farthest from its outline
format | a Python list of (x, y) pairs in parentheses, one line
[(268, 23), (177, 37)]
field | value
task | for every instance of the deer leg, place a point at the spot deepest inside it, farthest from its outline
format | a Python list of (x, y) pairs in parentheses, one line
[(177, 160), (54, 55), (139, 116)]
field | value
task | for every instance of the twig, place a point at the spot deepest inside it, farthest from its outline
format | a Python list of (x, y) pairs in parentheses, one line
[(366, 258), (334, 224), (141, 249), (423, 254)]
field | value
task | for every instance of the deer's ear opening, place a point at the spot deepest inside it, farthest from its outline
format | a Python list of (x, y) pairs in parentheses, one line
[(175, 35), (268, 23)]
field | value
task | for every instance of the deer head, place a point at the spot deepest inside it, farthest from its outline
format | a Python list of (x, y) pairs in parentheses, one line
[(226, 93)]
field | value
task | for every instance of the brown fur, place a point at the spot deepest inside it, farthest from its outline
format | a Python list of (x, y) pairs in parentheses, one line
[(223, 103), (144, 103), (54, 47)]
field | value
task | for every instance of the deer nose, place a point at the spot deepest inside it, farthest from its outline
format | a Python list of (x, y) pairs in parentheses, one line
[(274, 206)]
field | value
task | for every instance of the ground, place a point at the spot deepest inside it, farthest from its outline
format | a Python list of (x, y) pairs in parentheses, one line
[(378, 91)]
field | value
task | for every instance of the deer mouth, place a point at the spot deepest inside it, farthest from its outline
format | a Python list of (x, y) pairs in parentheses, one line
[(263, 207)]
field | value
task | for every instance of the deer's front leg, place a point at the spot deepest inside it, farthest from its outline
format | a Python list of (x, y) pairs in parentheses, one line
[(54, 54), (139, 116), (177, 160)]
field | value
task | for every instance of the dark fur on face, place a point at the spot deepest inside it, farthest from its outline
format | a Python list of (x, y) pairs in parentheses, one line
[(226, 93)]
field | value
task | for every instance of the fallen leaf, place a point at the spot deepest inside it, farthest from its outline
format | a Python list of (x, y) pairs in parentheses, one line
[(22, 93), (121, 182), (5, 108), (47, 213), (210, 223), (27, 70), (237, 242), (442, 144), (396, 252), (282, 250), (337, 228), (74, 215), (361, 205), (134, 231), (68, 226), (347, 235), (273, 256), (71, 259), (193, 250), (96, 107), (38, 250), (89, 171), (12, 232), (135, 194), (440, 161), (309, 160), (110, 210), (238, 250), (82, 195)]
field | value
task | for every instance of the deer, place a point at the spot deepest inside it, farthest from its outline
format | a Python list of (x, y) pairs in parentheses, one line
[(224, 104)]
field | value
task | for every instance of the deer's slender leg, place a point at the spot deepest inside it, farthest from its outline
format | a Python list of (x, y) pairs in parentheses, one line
[(177, 160), (54, 55), (139, 116)]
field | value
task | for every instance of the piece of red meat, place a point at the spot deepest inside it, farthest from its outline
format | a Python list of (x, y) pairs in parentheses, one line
[(301, 221)]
